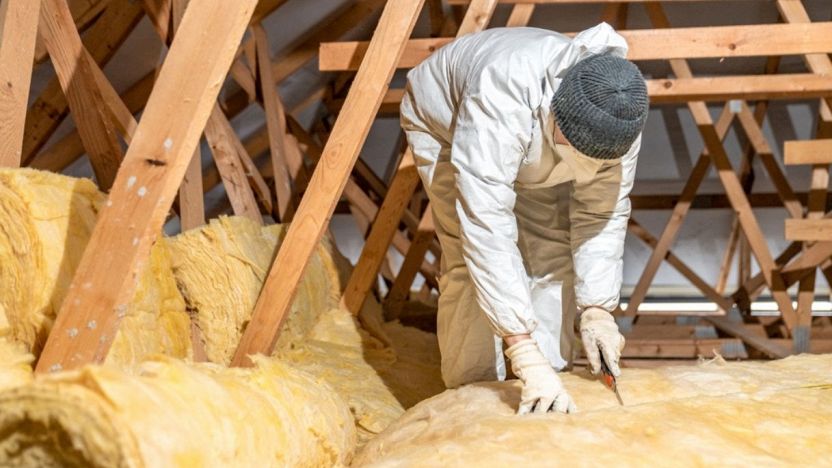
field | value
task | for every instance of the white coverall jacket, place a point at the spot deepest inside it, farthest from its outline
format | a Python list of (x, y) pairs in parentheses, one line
[(528, 235)]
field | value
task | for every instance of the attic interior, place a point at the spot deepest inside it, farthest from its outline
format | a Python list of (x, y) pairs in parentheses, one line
[(217, 248)]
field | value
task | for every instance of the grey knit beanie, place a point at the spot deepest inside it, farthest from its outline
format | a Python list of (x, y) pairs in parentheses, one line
[(601, 106)]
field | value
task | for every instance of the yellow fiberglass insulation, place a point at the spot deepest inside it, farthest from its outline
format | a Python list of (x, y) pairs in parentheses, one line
[(15, 364), (220, 269), (173, 414), (47, 222), (716, 414)]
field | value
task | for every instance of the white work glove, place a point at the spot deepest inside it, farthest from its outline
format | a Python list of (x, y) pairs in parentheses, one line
[(542, 388), (600, 335)]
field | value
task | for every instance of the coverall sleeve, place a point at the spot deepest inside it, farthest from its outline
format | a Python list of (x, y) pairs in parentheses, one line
[(599, 212), (493, 130)]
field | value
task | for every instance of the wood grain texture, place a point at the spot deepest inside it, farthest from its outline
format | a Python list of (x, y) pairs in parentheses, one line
[(808, 151), (147, 182), (78, 80), (221, 136), (327, 183), (645, 44), (101, 41), (18, 31), (276, 124)]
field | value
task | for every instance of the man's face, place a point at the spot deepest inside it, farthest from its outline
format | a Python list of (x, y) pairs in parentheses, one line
[(584, 167)]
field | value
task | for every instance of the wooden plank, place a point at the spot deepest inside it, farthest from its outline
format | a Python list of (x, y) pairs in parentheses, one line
[(101, 41), (520, 15), (644, 44), (807, 230), (83, 12), (476, 17), (75, 73), (220, 137), (399, 194), (18, 31), (746, 87), (327, 183), (808, 151), (276, 124), (146, 185)]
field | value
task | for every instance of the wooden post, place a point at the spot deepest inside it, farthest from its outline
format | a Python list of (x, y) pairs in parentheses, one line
[(329, 178), (146, 183), (18, 31)]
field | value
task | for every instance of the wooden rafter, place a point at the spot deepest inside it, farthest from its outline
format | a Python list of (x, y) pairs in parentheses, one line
[(146, 183)]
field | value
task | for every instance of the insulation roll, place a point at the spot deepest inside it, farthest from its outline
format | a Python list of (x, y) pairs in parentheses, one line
[(220, 269), (172, 414), (47, 221), (15, 364), (718, 414)]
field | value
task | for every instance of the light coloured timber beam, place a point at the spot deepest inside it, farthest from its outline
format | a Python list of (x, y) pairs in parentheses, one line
[(221, 138), (808, 151), (101, 41), (146, 184), (83, 12), (330, 176), (75, 70), (809, 230), (18, 32), (644, 44)]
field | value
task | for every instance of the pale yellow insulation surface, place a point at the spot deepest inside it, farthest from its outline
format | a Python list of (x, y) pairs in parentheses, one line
[(717, 414), (47, 222), (220, 269), (15, 364), (173, 414)]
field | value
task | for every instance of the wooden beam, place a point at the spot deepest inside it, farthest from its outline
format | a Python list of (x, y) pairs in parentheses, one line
[(745, 87), (191, 201), (146, 185), (476, 17), (276, 124), (221, 137), (101, 41), (809, 230), (520, 15), (644, 44), (18, 31), (327, 183), (808, 151), (76, 75)]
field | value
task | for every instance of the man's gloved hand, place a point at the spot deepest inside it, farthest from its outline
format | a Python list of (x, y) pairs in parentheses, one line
[(542, 388), (600, 335)]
